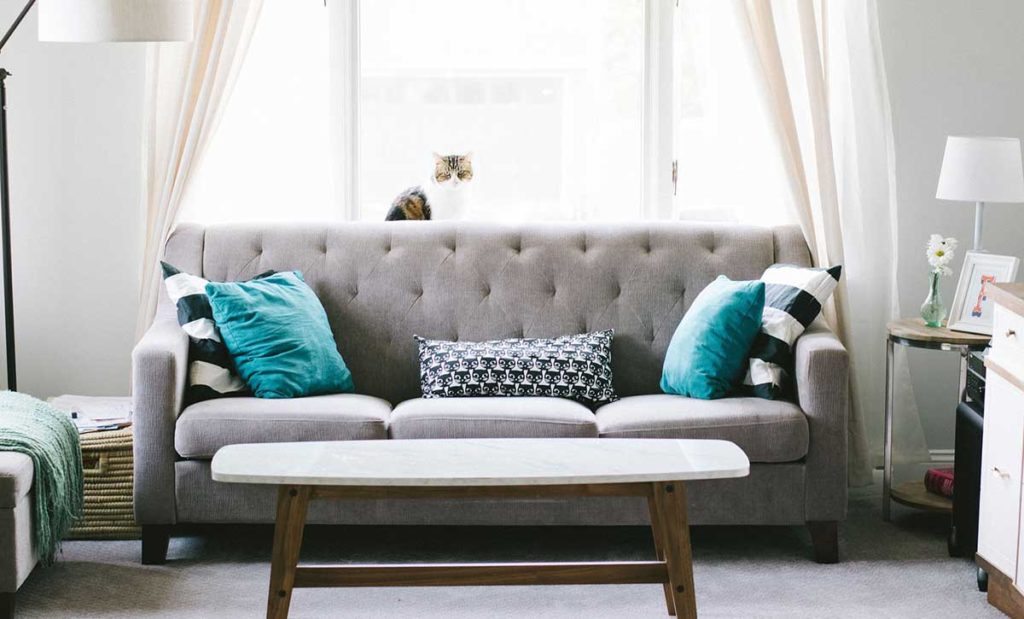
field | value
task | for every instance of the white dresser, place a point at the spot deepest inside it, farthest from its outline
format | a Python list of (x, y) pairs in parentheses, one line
[(1000, 534)]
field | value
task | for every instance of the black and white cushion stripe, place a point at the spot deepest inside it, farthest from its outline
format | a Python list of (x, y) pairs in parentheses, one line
[(794, 297), (210, 371)]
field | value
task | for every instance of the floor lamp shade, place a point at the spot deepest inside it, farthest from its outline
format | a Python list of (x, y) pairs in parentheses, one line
[(96, 21), (981, 169)]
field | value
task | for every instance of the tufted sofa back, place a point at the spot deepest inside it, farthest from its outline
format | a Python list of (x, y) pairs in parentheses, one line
[(383, 282)]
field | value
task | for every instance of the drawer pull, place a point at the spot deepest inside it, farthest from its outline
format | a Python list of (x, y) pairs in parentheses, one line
[(1000, 473), (1010, 333)]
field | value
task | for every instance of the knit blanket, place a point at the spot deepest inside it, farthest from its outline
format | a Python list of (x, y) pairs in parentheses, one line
[(49, 437)]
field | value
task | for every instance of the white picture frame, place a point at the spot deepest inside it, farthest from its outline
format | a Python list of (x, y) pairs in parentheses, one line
[(972, 307)]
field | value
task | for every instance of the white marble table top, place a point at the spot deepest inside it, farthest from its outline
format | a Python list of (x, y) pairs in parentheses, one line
[(479, 462)]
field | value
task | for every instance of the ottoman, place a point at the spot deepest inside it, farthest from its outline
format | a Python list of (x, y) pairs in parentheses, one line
[(19, 554)]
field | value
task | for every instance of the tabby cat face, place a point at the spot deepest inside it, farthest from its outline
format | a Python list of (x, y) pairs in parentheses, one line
[(453, 170)]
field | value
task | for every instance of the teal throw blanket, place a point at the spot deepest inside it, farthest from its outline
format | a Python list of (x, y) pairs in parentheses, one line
[(48, 436)]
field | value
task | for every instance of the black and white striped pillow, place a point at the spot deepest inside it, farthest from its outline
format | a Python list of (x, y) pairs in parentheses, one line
[(793, 298), (211, 372)]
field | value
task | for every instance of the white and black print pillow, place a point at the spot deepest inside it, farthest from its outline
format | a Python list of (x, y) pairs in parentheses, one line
[(576, 367), (211, 372), (793, 298)]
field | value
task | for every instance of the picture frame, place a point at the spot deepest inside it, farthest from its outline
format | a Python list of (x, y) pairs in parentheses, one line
[(972, 307)]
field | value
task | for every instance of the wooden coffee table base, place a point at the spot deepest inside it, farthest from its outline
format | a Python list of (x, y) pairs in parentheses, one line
[(667, 501)]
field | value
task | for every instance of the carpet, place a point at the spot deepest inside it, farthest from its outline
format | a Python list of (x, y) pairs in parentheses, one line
[(899, 569)]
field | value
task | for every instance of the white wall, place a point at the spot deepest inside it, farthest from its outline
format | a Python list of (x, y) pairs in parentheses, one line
[(75, 116), (954, 67)]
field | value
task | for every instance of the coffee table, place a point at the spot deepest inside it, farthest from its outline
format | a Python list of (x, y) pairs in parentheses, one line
[(655, 469)]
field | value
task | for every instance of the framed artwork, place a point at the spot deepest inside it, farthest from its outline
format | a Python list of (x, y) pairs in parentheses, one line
[(972, 307)]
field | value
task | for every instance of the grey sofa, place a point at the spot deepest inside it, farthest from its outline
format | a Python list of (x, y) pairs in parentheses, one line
[(17, 548), (382, 283)]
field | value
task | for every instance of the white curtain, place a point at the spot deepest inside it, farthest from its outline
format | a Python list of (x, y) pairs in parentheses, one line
[(187, 86), (823, 81)]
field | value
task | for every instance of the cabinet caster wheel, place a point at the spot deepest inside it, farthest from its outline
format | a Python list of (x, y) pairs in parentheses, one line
[(982, 580)]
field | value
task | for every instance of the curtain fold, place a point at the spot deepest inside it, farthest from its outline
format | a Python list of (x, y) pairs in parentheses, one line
[(187, 86), (823, 82)]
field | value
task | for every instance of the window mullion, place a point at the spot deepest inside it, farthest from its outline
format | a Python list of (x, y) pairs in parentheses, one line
[(658, 123), (345, 67)]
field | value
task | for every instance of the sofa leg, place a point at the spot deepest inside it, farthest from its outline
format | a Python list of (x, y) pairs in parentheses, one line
[(7, 605), (825, 539), (155, 538)]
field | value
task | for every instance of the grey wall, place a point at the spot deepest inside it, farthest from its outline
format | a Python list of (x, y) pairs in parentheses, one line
[(75, 114), (954, 67)]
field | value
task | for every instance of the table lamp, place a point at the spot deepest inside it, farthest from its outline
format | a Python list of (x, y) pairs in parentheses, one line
[(981, 169), (85, 21)]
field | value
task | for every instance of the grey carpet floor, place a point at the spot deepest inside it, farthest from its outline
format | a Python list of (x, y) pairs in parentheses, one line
[(899, 569)]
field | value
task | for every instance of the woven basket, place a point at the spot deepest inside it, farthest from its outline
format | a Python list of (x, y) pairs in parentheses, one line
[(107, 462)]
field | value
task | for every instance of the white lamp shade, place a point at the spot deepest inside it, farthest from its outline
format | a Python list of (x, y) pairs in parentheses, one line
[(96, 21), (981, 169)]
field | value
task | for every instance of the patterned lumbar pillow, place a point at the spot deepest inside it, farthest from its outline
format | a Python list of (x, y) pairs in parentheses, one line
[(576, 367), (211, 372), (794, 297)]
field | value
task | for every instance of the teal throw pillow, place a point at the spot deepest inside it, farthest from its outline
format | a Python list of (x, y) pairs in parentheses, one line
[(277, 333), (708, 353)]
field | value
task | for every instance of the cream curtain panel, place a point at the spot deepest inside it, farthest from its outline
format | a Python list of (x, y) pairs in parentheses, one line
[(823, 81), (187, 87)]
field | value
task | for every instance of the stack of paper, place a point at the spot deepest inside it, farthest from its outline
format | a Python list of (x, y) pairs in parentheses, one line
[(96, 413)]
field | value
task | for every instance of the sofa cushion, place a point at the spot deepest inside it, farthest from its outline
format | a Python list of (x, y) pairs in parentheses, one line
[(767, 430), (491, 418), (205, 427), (16, 476)]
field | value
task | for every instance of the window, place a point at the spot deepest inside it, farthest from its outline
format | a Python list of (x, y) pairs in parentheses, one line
[(550, 102), (573, 109), (270, 159)]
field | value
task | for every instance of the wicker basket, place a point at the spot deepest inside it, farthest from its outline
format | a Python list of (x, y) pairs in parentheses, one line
[(108, 466)]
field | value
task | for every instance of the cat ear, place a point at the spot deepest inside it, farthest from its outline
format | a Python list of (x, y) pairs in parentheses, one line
[(468, 156), (437, 158)]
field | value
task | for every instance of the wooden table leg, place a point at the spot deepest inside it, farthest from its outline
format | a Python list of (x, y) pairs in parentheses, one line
[(657, 530), (292, 503), (670, 503)]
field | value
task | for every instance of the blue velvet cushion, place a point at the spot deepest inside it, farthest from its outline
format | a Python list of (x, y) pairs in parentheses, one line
[(708, 353), (277, 333)]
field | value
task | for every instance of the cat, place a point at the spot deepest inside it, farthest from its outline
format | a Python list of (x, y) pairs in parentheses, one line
[(444, 196)]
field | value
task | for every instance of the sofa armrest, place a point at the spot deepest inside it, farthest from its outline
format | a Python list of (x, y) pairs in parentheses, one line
[(822, 373), (159, 371)]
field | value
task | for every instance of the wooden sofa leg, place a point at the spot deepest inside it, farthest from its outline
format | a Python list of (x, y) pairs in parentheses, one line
[(155, 538), (7, 605), (825, 539)]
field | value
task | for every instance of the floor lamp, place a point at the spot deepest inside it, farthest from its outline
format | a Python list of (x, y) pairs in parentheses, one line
[(79, 21)]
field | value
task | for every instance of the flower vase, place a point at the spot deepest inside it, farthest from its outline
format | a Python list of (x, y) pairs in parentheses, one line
[(932, 310)]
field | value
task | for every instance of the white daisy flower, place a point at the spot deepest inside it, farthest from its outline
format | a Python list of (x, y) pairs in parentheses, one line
[(940, 252)]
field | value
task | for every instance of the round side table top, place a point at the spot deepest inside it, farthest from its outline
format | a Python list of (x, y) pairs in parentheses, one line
[(915, 330)]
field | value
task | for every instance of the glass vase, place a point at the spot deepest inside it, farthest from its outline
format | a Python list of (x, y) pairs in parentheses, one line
[(932, 310)]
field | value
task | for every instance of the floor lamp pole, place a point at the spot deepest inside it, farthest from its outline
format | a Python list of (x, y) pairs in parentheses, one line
[(5, 212), (5, 238)]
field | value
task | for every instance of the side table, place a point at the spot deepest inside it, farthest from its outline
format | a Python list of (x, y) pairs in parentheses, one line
[(913, 333)]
